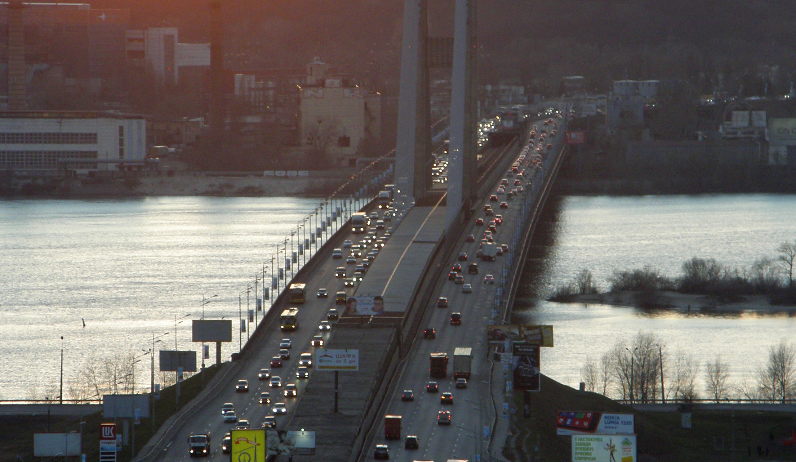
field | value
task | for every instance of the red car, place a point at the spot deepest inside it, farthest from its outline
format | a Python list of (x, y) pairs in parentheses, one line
[(276, 361)]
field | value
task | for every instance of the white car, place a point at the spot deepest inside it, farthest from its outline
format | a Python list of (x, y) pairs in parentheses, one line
[(279, 408), (337, 253), (285, 343), (305, 360), (347, 243)]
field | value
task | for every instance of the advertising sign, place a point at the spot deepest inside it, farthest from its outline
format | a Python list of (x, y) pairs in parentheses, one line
[(740, 118), (108, 431), (525, 367), (604, 448), (584, 422), (759, 119), (527, 333), (337, 360), (782, 131), (365, 305), (248, 445), (125, 406), (107, 442), (578, 137), (56, 444), (172, 360), (211, 330)]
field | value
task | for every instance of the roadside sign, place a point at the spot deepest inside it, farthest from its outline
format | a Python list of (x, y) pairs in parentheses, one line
[(578, 137), (584, 422), (248, 445), (604, 448), (337, 360), (108, 431)]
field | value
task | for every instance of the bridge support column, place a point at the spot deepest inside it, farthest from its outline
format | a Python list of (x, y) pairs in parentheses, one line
[(413, 146)]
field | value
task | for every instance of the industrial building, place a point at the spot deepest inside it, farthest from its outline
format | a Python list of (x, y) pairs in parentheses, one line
[(71, 143)]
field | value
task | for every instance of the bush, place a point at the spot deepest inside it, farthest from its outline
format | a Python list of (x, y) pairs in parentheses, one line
[(647, 279)]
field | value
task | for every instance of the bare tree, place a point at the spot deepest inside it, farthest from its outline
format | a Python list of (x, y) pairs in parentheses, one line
[(319, 138), (786, 258), (637, 368), (765, 275), (590, 374), (682, 381), (606, 377), (585, 283), (777, 379), (716, 375)]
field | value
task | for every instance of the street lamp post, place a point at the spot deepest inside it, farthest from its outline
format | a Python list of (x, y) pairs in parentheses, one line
[(660, 357), (205, 302), (61, 397), (632, 374)]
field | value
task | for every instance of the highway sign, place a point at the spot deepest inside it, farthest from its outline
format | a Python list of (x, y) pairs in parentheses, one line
[(578, 137), (337, 360)]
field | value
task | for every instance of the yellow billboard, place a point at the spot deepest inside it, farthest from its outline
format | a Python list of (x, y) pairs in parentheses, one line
[(248, 445), (541, 335)]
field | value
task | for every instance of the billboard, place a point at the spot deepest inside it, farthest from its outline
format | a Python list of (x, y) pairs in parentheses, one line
[(584, 422), (759, 119), (336, 360), (248, 445), (604, 448), (302, 442), (525, 367), (364, 305), (528, 333), (578, 137), (212, 331), (56, 444), (740, 118), (782, 132), (125, 406), (172, 360)]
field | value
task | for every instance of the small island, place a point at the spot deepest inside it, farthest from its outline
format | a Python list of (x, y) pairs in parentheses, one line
[(706, 286)]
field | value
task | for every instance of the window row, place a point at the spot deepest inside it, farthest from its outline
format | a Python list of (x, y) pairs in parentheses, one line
[(41, 159), (48, 138)]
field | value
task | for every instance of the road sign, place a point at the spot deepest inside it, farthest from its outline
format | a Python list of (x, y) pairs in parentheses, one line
[(337, 360)]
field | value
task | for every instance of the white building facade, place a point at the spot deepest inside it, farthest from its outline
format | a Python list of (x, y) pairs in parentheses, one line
[(61, 143)]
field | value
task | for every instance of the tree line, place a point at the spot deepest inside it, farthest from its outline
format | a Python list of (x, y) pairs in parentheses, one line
[(644, 370), (772, 276)]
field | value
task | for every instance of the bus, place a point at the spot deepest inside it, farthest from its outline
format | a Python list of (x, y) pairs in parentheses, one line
[(359, 222), (297, 293), (289, 319)]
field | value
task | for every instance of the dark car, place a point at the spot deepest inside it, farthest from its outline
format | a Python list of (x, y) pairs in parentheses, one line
[(462, 256), (322, 293), (489, 211), (457, 267), (340, 298), (411, 442), (469, 238), (442, 302), (432, 387), (493, 198), (498, 219), (276, 361), (492, 228), (459, 279), (472, 268), (446, 398), (452, 275), (226, 444), (504, 205), (333, 315), (456, 319), (444, 418), (382, 451), (407, 395), (479, 221), (429, 333), (505, 247)]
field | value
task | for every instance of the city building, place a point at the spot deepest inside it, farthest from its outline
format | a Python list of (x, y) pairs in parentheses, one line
[(80, 45), (158, 52), (335, 115), (36, 143)]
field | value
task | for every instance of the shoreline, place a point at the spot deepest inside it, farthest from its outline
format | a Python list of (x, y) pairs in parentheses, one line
[(683, 303)]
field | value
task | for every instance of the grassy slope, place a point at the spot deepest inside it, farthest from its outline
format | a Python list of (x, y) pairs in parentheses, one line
[(660, 434)]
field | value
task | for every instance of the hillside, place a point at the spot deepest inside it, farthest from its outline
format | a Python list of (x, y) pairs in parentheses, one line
[(660, 435)]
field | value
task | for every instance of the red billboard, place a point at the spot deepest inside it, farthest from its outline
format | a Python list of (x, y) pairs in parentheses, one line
[(578, 137)]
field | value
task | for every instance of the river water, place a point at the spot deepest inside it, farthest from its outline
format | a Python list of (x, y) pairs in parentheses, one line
[(129, 267), (605, 234)]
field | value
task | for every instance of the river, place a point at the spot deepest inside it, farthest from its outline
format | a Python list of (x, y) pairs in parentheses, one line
[(604, 234), (129, 267)]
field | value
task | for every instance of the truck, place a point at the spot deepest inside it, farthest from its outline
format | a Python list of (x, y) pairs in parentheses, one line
[(359, 222), (462, 361), (488, 251), (385, 197), (392, 427), (438, 367), (199, 444)]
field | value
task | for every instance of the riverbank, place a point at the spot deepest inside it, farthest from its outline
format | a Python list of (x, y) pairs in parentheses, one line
[(684, 303), (180, 183)]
